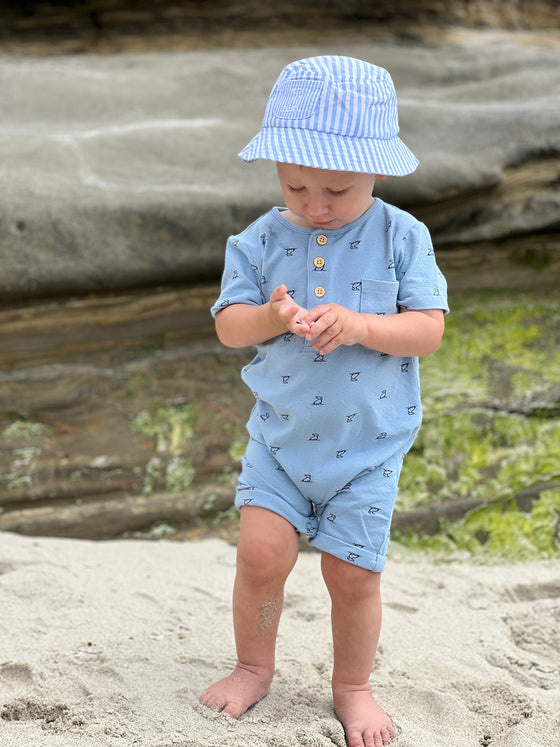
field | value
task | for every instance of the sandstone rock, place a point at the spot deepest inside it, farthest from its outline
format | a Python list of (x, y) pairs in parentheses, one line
[(121, 170), (78, 377), (116, 24)]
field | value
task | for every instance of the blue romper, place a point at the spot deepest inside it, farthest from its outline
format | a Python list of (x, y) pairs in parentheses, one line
[(328, 433)]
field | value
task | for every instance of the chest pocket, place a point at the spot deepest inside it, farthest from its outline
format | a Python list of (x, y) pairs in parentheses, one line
[(379, 296)]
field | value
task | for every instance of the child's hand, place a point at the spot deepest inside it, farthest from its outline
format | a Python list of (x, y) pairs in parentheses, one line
[(287, 311), (332, 325)]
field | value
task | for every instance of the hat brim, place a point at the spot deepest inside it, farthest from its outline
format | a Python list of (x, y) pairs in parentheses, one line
[(319, 150)]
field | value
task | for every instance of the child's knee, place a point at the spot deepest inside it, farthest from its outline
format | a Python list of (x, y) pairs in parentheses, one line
[(343, 579), (268, 545), (264, 559)]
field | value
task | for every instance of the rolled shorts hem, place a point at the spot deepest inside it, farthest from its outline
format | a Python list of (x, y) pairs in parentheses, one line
[(303, 524), (359, 556), (309, 526)]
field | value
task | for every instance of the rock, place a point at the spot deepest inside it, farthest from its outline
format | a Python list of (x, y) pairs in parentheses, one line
[(427, 519), (120, 183), (103, 398), (121, 170), (104, 25), (113, 517), (123, 410)]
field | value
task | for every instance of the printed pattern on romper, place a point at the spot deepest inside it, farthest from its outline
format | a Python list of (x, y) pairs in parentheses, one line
[(327, 418)]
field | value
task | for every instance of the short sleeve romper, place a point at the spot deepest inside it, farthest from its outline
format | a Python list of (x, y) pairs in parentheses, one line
[(328, 433)]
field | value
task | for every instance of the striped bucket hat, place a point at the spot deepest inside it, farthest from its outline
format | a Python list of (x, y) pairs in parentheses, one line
[(334, 113)]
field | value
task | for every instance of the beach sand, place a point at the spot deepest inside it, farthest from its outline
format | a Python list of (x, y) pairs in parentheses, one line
[(109, 644)]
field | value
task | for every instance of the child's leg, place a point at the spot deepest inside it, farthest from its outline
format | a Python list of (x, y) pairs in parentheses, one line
[(356, 624), (266, 553)]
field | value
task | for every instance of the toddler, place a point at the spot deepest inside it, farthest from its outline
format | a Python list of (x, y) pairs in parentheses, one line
[(340, 293)]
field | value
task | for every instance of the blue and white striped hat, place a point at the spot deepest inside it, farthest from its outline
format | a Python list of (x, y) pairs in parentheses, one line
[(334, 113)]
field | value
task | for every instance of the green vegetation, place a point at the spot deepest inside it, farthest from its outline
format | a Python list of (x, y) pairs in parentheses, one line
[(237, 449), (172, 427), (479, 454), (179, 474), (25, 430), (492, 427), (212, 517), (497, 531), (24, 439)]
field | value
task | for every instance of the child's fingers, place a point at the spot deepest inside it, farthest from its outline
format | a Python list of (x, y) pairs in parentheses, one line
[(300, 327), (321, 319), (278, 293), (316, 313)]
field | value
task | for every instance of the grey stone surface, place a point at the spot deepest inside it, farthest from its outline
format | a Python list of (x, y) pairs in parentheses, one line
[(121, 170)]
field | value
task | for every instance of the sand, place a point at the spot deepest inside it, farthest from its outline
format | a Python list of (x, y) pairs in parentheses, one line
[(109, 644)]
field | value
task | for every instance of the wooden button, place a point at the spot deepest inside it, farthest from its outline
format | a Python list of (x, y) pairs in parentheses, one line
[(319, 262), (321, 239), (320, 291)]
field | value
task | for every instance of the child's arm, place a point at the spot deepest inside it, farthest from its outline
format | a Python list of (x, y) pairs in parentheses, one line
[(241, 325), (409, 333)]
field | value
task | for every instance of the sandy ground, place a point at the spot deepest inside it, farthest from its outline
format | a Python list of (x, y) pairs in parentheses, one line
[(109, 644)]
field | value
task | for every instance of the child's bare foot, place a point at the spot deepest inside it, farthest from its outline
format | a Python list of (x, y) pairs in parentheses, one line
[(237, 692), (365, 723)]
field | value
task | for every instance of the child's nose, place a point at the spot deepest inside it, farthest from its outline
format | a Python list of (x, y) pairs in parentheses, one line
[(317, 206)]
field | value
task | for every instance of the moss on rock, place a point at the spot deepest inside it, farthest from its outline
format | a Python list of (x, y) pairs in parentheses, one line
[(491, 426)]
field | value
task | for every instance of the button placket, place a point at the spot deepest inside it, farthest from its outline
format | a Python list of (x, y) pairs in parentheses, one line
[(319, 263)]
